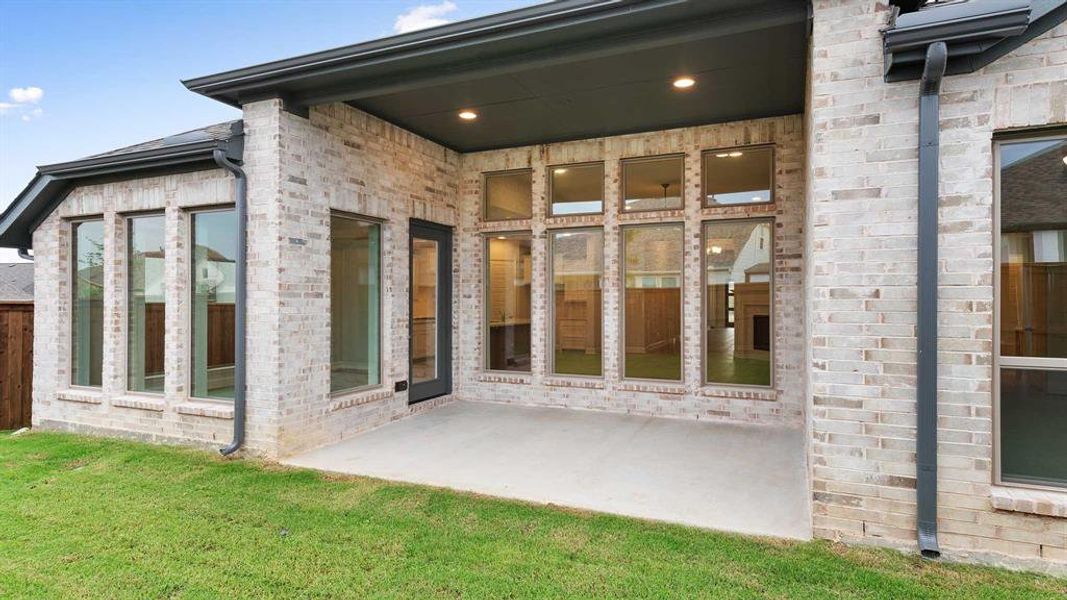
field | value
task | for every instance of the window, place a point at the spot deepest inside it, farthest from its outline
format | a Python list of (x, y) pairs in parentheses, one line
[(509, 269), (87, 317), (652, 183), (652, 307), (145, 304), (355, 303), (577, 268), (576, 189), (738, 302), (508, 195), (214, 261), (739, 176), (1032, 311)]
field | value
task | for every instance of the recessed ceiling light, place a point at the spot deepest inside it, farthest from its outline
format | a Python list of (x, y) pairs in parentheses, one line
[(735, 154), (722, 155), (684, 83), (468, 115), (560, 171), (716, 249), (1065, 160), (501, 237)]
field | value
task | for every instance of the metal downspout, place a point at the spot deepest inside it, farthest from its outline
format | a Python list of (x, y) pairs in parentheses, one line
[(926, 433), (240, 294)]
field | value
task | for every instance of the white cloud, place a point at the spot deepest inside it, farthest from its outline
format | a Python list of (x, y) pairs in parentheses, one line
[(423, 16), (26, 95), (23, 103)]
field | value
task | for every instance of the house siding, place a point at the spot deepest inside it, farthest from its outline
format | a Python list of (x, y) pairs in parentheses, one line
[(862, 150)]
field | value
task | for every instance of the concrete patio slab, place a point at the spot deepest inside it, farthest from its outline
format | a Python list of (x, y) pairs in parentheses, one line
[(743, 478)]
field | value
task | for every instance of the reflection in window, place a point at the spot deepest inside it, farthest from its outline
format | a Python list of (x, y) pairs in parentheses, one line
[(1033, 311), (576, 189), (145, 304), (424, 278), (652, 183), (87, 317), (508, 195), (738, 302), (738, 176), (214, 243), (355, 297), (509, 271), (577, 267), (652, 314)]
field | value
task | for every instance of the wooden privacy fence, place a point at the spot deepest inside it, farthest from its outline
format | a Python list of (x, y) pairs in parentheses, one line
[(16, 365)]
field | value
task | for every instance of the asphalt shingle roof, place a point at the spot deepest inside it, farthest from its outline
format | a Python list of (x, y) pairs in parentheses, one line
[(16, 282)]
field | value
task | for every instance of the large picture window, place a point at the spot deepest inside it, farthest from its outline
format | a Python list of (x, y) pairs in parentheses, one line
[(577, 257), (652, 304), (738, 302), (87, 316), (145, 304), (355, 303), (214, 261), (508, 280), (1032, 311)]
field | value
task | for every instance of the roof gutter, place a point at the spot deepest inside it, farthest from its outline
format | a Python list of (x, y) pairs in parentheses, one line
[(926, 433)]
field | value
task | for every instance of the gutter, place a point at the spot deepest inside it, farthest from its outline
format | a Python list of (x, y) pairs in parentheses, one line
[(240, 296), (926, 430)]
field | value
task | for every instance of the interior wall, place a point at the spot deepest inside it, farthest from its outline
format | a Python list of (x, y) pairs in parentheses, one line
[(783, 403)]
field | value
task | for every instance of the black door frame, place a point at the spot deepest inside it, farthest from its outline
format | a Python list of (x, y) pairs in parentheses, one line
[(442, 234)]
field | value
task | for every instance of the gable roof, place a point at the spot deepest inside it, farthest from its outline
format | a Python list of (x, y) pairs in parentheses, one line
[(16, 282), (190, 150)]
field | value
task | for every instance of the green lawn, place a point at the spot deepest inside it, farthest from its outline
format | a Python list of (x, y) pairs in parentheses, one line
[(82, 517)]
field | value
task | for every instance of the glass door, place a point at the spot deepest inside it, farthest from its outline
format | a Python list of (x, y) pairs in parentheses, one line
[(430, 326)]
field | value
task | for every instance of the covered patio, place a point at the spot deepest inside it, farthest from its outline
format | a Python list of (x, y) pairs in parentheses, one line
[(733, 477)]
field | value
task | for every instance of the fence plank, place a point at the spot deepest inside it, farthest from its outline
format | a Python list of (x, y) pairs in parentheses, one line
[(16, 365)]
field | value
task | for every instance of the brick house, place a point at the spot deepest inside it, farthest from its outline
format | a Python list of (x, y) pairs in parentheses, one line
[(783, 214)]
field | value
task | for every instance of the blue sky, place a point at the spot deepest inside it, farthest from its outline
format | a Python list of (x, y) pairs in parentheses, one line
[(81, 77)]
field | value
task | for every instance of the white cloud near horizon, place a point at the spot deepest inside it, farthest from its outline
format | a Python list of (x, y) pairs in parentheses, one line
[(423, 16)]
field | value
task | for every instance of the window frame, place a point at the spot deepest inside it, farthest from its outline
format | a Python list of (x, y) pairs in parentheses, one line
[(381, 300), (773, 147), (486, 175), (639, 159), (704, 382), (1012, 362), (550, 172), (622, 304), (551, 308), (127, 219), (486, 306), (72, 276), (190, 257)]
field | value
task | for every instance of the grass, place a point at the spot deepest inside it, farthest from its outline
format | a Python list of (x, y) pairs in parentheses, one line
[(86, 517)]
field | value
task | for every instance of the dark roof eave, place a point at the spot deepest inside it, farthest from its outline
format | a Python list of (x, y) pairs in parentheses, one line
[(53, 183)]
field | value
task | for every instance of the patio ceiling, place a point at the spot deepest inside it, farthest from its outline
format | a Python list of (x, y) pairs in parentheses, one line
[(563, 70)]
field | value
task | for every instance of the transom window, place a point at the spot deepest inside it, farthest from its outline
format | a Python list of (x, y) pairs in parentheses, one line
[(739, 176), (576, 189), (1032, 311), (508, 195), (653, 183)]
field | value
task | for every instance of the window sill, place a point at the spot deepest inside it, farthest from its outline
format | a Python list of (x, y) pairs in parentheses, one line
[(739, 392), (82, 396), (588, 383), (140, 403), (205, 409), (494, 377), (359, 398), (652, 387), (1025, 500)]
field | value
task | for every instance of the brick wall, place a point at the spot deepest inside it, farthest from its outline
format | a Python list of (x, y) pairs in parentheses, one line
[(862, 240), (172, 416), (689, 398)]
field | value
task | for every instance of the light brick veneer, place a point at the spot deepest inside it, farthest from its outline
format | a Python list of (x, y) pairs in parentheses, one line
[(862, 209), (689, 398)]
